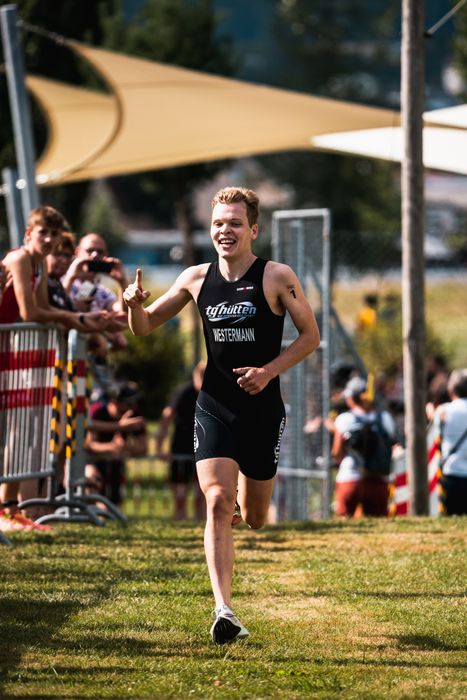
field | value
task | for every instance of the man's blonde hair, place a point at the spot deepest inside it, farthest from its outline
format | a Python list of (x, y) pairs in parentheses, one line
[(232, 195), (49, 217)]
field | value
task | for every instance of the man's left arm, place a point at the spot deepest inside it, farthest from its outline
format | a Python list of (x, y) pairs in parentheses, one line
[(284, 292)]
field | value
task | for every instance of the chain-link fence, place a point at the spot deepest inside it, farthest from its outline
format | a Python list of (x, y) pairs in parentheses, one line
[(301, 239)]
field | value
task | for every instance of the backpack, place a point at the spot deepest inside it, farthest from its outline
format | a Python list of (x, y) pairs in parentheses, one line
[(373, 444)]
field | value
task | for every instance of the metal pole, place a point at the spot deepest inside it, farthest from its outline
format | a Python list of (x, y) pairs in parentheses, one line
[(413, 272), (13, 207), (326, 364), (19, 105)]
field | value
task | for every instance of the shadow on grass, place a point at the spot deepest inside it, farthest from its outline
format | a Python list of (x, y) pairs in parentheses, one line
[(427, 642), (344, 595), (27, 623)]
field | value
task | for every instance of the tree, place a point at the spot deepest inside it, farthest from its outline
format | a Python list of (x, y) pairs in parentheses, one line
[(100, 214), (334, 48)]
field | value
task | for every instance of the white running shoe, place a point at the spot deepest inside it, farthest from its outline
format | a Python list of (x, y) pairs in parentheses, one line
[(226, 626)]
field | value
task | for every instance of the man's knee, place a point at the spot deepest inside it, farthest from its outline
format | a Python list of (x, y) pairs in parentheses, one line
[(219, 502)]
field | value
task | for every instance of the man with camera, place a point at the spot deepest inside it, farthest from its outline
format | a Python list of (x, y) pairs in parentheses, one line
[(82, 283), (91, 260)]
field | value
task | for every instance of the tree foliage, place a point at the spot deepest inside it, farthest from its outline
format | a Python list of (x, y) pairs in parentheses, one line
[(156, 363), (101, 214), (335, 48)]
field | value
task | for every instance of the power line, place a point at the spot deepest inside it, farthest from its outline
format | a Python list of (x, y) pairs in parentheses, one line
[(429, 32), (45, 33)]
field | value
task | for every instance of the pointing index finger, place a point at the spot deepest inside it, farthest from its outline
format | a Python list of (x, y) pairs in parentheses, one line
[(138, 278)]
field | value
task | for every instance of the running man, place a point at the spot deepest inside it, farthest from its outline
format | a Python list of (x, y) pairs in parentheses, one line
[(240, 416)]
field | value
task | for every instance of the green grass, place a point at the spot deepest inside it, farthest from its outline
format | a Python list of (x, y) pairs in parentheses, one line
[(364, 609)]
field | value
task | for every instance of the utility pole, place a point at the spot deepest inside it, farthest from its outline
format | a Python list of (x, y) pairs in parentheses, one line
[(413, 263)]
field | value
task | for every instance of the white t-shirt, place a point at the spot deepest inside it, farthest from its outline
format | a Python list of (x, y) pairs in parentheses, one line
[(351, 467), (451, 421)]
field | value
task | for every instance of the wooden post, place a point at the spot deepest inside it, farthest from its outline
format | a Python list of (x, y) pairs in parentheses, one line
[(413, 263)]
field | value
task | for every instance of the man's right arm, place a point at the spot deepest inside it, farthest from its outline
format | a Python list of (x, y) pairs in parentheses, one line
[(144, 320)]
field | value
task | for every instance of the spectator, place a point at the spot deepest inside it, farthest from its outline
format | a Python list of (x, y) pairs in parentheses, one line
[(368, 314), (356, 485), (3, 280), (86, 291), (82, 283), (117, 431), (181, 412), (58, 262), (390, 309), (437, 376), (451, 426), (26, 298), (101, 369)]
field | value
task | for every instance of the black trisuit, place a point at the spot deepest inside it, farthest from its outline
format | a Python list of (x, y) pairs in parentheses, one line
[(240, 331)]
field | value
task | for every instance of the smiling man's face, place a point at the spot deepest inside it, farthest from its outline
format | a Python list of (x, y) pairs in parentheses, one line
[(231, 232)]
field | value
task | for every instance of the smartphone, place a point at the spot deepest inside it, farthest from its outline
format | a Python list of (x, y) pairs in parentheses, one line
[(86, 291), (99, 266)]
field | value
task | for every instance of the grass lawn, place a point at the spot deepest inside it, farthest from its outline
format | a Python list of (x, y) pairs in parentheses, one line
[(364, 609)]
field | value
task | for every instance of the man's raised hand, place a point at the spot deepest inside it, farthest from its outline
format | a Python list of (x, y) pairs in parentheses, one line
[(134, 295)]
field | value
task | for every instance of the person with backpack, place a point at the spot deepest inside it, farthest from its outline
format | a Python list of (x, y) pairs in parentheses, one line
[(362, 446), (451, 427)]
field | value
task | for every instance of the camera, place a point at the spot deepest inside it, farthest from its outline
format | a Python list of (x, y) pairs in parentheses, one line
[(99, 266)]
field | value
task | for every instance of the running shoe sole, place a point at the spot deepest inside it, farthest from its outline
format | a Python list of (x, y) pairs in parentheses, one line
[(224, 630)]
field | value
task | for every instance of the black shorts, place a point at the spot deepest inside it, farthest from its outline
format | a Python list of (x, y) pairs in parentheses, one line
[(250, 438)]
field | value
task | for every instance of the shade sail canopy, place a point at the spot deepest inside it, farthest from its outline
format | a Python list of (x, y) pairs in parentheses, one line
[(449, 116), (443, 148), (81, 124), (164, 116)]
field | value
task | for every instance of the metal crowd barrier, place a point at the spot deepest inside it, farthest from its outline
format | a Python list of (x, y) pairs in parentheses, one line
[(75, 505), (32, 364), (31, 360)]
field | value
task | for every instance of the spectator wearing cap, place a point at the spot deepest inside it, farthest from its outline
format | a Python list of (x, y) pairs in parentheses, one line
[(117, 431), (356, 490)]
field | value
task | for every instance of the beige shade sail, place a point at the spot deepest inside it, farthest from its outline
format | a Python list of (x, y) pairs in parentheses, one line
[(164, 116), (81, 123), (443, 148), (448, 116)]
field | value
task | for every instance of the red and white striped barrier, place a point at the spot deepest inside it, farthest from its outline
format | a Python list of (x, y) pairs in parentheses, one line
[(400, 483), (28, 355)]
